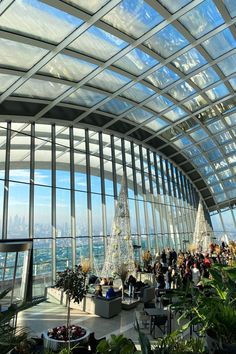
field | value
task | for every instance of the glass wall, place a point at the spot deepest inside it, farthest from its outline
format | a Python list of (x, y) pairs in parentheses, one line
[(59, 185)]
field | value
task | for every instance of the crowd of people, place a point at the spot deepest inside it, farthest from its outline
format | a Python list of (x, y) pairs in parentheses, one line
[(172, 269)]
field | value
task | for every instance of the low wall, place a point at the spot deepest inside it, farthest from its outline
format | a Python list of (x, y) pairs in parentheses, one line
[(91, 304)]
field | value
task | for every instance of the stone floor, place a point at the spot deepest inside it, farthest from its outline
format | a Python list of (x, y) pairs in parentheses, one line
[(49, 314)]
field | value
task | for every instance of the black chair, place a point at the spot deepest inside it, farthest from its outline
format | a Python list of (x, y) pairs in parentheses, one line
[(160, 322), (149, 305), (93, 342)]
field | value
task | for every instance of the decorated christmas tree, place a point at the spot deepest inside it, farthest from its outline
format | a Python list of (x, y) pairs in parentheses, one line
[(119, 251), (202, 231)]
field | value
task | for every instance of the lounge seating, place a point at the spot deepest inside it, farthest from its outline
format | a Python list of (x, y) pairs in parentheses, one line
[(147, 294), (107, 308)]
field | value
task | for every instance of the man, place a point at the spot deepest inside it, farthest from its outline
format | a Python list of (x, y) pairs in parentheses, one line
[(196, 276)]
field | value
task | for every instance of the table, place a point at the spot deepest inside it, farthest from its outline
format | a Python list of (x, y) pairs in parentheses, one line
[(129, 303), (157, 312)]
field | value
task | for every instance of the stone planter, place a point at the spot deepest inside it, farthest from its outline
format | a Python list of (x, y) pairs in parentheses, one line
[(55, 345)]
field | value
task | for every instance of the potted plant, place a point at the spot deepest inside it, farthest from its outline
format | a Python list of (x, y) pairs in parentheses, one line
[(214, 309), (74, 283), (15, 339), (122, 273)]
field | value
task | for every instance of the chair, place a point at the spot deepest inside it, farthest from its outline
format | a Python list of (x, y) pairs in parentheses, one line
[(142, 318), (160, 322), (93, 342)]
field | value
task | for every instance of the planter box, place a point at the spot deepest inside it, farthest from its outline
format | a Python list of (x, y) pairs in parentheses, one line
[(95, 305), (55, 345)]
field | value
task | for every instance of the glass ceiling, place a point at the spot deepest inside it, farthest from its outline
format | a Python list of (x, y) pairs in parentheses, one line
[(165, 69)]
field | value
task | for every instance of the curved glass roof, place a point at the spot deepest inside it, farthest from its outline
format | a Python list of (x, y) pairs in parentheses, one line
[(160, 72)]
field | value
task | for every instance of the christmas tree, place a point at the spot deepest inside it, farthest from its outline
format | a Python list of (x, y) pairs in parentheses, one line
[(119, 252), (202, 232)]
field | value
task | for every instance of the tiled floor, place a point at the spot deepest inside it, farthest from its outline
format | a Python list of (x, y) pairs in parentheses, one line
[(49, 314)]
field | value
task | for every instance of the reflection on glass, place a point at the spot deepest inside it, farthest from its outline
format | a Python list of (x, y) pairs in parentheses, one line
[(38, 20), (134, 17), (6, 81), (220, 43), (202, 19), (138, 92), (41, 89), (109, 80), (19, 55), (162, 77), (91, 6), (84, 97), (136, 62), (115, 106), (98, 44), (189, 61), (166, 42), (205, 78), (65, 67)]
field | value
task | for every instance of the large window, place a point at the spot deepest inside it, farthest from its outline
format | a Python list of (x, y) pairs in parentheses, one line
[(60, 186)]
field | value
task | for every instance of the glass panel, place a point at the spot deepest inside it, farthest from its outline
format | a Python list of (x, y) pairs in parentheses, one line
[(189, 61), (214, 155), (229, 148), (200, 160), (166, 42), (233, 83), (18, 55), (38, 20), (211, 179), (66, 67), (205, 78), (63, 214), (220, 43), (217, 92), (42, 212), (139, 115), (156, 124), (91, 6), (63, 254), (133, 17), (6, 81), (207, 144), (231, 120), (109, 80), (175, 114), (202, 19), (136, 62), (228, 65), (85, 98), (159, 103), (223, 138), (98, 44), (20, 158), (216, 127), (42, 267), (115, 106), (41, 89), (138, 93), (162, 77), (18, 210), (206, 170), (182, 143), (182, 91), (81, 213), (174, 6), (195, 103), (231, 7), (43, 156), (96, 215), (192, 151)]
